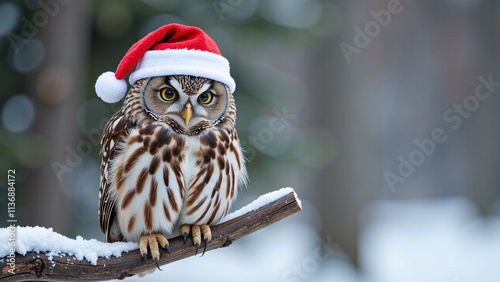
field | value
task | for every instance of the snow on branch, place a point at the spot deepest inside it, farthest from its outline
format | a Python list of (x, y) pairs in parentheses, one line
[(45, 255)]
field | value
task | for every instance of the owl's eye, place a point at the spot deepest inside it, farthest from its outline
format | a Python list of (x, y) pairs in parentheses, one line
[(168, 94), (206, 97)]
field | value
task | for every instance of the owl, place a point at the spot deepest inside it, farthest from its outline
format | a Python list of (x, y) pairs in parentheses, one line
[(171, 159)]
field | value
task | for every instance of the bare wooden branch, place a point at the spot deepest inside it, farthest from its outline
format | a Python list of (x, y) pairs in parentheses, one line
[(34, 266)]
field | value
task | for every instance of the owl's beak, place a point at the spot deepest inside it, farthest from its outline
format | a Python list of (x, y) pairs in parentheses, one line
[(187, 112)]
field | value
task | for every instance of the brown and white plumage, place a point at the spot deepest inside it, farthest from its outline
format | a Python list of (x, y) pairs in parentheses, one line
[(159, 173)]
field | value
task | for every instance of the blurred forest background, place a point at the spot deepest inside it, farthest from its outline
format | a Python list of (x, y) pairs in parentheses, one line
[(355, 86)]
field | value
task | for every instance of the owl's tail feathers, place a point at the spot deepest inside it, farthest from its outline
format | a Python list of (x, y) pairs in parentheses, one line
[(152, 242)]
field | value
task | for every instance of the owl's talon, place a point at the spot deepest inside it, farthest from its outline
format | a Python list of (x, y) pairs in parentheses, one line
[(205, 248), (163, 242), (151, 241), (207, 235), (158, 264), (185, 231), (196, 232)]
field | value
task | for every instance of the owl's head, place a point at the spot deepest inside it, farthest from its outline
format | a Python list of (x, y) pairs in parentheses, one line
[(189, 104)]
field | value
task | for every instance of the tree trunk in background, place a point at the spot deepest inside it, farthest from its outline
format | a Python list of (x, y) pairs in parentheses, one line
[(346, 186), (57, 89), (485, 135)]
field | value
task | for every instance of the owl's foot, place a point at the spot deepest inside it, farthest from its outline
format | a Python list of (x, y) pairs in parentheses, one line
[(152, 241), (196, 232)]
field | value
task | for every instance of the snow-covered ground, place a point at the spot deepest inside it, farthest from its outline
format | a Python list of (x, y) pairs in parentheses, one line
[(442, 240)]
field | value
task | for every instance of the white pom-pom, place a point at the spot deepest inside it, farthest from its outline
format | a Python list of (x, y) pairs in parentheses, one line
[(110, 89)]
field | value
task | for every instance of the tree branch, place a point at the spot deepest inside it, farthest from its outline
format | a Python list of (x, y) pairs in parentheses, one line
[(35, 266)]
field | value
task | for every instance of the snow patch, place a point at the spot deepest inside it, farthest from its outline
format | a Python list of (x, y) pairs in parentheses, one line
[(260, 202), (40, 239)]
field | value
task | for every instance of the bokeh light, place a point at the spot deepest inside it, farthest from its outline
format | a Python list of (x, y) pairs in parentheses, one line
[(113, 18), (9, 17), (28, 54), (53, 85), (242, 10), (291, 13), (18, 113)]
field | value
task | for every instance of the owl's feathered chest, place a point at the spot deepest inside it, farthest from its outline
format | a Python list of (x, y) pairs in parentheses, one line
[(153, 146), (160, 178)]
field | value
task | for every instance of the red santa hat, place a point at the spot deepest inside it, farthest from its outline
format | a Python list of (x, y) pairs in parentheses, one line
[(173, 49)]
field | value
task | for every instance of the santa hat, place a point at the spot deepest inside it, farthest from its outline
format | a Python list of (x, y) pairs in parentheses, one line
[(173, 49)]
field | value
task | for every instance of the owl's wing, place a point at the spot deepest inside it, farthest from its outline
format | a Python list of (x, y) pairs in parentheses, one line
[(115, 129)]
